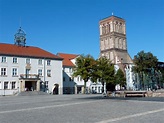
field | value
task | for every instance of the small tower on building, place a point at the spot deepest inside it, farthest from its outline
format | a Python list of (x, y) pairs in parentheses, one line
[(20, 37)]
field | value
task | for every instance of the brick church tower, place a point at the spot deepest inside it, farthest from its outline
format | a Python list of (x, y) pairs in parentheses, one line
[(113, 43)]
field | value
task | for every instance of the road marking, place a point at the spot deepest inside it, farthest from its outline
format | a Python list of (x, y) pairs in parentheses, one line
[(131, 116), (45, 107)]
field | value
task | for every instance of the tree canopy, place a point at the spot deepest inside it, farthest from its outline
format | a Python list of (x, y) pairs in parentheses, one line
[(103, 71), (145, 64), (83, 68), (120, 78), (144, 61)]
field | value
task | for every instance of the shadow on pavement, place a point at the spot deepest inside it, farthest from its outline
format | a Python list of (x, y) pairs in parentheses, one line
[(98, 97)]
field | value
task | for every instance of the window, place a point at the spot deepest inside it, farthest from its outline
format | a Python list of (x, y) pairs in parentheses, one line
[(27, 61), (15, 60), (3, 71), (3, 59), (40, 61), (13, 85), (49, 73), (48, 62), (14, 73), (6, 85), (40, 72)]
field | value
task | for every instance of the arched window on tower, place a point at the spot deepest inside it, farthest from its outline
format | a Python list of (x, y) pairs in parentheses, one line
[(124, 45), (102, 45), (103, 29), (120, 43), (117, 26), (120, 28), (109, 28), (116, 42)]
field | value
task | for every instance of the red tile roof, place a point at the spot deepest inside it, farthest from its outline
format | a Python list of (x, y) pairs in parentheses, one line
[(27, 51), (67, 59)]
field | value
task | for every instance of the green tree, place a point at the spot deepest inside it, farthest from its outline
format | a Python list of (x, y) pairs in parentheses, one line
[(83, 68), (103, 70), (143, 63), (120, 78)]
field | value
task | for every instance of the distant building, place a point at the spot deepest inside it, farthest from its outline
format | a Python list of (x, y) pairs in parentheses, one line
[(75, 85), (28, 68), (113, 45)]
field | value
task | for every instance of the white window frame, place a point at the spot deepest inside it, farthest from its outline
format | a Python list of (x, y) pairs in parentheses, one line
[(3, 71), (40, 62), (13, 85), (6, 87), (14, 71), (15, 60), (28, 60), (49, 73), (40, 72), (48, 62), (4, 59)]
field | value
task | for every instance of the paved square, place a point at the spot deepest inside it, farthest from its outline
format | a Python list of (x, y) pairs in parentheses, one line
[(80, 109)]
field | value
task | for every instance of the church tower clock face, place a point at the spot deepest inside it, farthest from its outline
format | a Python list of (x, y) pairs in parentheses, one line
[(113, 39)]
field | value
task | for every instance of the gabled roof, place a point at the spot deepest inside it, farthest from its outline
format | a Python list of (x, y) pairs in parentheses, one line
[(67, 59), (25, 51)]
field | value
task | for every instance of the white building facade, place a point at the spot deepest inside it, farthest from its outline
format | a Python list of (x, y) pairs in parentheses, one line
[(28, 68), (75, 85), (29, 73)]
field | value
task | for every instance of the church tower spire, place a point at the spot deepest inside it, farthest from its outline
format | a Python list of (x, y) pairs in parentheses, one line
[(20, 37)]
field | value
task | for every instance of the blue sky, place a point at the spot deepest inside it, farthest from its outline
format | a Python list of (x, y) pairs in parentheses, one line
[(72, 26)]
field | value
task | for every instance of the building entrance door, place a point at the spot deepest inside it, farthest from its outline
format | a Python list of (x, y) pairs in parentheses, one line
[(30, 85)]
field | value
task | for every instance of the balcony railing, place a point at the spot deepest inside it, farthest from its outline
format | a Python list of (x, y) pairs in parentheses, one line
[(30, 76)]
